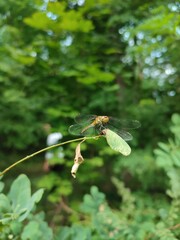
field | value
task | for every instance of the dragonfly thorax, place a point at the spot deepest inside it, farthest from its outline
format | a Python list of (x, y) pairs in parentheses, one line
[(101, 120)]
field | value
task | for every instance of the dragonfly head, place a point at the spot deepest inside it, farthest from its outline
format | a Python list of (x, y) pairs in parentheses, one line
[(105, 119)]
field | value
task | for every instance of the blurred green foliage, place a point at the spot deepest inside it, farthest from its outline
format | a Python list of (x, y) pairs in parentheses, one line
[(15, 211), (104, 57)]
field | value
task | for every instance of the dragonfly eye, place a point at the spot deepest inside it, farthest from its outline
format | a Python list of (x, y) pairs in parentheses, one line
[(105, 119)]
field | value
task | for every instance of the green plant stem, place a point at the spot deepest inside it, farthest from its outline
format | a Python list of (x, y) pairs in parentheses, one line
[(43, 150)]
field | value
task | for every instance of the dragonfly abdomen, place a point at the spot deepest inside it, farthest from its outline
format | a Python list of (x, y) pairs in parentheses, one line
[(89, 126)]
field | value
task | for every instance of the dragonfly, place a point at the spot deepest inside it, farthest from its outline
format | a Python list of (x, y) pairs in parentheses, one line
[(92, 125)]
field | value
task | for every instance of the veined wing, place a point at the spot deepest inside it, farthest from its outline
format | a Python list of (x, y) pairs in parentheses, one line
[(124, 123), (125, 135), (76, 129), (87, 119), (122, 133)]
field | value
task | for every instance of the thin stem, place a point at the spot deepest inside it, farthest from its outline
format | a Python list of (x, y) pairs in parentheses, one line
[(43, 150)]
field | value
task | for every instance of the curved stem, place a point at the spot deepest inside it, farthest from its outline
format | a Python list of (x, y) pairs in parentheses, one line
[(43, 150)]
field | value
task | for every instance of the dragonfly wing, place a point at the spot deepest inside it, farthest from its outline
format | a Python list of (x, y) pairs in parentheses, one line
[(124, 123), (125, 135), (87, 119), (76, 129), (122, 133)]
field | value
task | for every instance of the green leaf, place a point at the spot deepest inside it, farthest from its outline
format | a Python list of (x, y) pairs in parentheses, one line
[(76, 232), (117, 143), (80, 232), (37, 229), (176, 158), (92, 202), (38, 20), (16, 227), (20, 192), (1, 186), (164, 146), (64, 233), (31, 231), (36, 197), (30, 204), (4, 203), (174, 175), (176, 119), (20, 196)]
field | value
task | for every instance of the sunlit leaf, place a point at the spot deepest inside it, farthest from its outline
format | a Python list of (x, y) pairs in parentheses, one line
[(117, 143)]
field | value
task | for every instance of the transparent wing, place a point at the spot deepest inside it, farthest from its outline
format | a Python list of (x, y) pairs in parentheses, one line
[(76, 129), (125, 135), (124, 123), (84, 119), (122, 133)]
